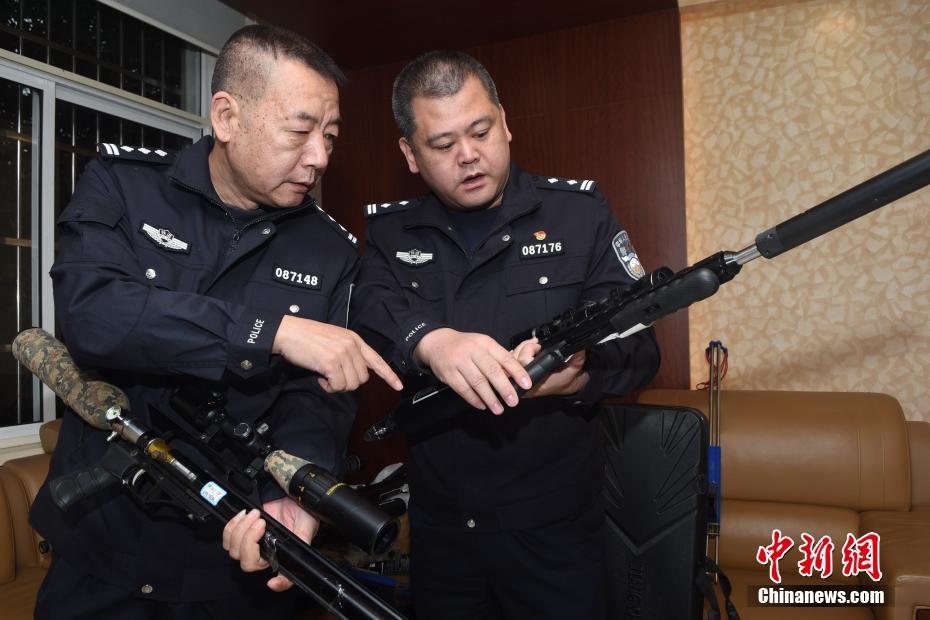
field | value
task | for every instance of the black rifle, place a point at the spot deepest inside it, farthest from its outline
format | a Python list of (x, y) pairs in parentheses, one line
[(145, 464), (627, 310)]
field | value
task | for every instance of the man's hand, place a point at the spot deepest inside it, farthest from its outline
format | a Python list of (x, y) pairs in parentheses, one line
[(339, 355), (242, 533), (473, 365), (568, 379)]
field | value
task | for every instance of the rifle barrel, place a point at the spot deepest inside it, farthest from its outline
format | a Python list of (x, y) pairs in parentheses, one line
[(855, 202)]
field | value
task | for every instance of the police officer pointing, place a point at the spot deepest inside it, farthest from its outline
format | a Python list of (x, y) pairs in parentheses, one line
[(505, 515), (210, 267)]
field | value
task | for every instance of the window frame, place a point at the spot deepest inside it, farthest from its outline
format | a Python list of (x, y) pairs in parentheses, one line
[(58, 84)]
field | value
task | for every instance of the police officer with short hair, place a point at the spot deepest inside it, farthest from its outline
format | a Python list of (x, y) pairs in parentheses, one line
[(212, 267), (505, 513)]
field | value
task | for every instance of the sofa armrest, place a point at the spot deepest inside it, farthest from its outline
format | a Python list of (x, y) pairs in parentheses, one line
[(21, 479), (918, 437), (904, 556), (7, 544)]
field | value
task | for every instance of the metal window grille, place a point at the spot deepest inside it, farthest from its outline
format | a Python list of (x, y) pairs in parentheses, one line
[(18, 147), (99, 42)]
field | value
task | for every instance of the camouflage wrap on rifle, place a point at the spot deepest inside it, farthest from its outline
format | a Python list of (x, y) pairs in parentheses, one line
[(49, 360), (282, 467)]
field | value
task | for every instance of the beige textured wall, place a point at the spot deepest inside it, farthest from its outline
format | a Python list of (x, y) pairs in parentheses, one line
[(786, 104)]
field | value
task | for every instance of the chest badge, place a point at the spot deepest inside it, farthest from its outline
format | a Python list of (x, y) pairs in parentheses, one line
[(164, 238), (297, 277), (541, 248), (623, 248), (415, 257)]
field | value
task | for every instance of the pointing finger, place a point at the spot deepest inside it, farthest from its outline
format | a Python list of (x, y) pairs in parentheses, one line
[(381, 368)]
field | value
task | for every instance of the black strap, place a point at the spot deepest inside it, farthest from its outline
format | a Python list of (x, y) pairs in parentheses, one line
[(703, 582), (700, 578)]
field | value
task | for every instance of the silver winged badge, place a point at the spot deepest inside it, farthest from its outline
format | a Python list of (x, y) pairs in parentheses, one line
[(164, 238), (414, 257)]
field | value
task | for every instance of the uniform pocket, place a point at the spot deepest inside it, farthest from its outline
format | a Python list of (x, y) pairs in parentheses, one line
[(544, 275), (547, 287), (421, 286), (289, 300), (169, 271)]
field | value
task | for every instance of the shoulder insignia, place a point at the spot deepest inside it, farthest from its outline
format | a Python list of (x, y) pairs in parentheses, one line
[(382, 208), (586, 186), (108, 150), (342, 230), (623, 248)]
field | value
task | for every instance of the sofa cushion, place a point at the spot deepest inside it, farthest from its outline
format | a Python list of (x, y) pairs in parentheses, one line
[(746, 526), (851, 453)]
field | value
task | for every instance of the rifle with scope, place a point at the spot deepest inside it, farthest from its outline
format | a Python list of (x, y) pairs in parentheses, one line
[(142, 460), (627, 310)]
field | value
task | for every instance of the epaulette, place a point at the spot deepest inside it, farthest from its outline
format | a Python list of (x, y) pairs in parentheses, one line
[(586, 186), (342, 230), (382, 208), (108, 150)]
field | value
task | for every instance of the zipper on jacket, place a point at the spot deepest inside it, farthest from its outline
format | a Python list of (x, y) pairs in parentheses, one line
[(237, 232)]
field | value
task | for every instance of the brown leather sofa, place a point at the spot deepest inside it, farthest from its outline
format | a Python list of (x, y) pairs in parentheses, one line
[(24, 557), (825, 463)]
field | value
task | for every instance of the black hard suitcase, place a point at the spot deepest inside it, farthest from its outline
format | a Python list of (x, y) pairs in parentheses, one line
[(655, 494)]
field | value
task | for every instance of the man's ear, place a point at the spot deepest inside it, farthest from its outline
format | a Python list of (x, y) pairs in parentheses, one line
[(407, 150), (504, 121), (224, 115)]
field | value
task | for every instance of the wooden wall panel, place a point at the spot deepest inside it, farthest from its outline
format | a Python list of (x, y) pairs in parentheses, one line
[(602, 101)]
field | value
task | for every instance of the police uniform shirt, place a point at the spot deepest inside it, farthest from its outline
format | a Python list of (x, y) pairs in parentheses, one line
[(157, 286), (554, 245)]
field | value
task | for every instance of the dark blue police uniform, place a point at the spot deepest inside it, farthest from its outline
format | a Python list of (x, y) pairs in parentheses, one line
[(505, 509), (158, 284)]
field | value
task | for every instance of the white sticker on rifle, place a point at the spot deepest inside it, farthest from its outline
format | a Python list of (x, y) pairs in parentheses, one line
[(627, 255), (212, 492)]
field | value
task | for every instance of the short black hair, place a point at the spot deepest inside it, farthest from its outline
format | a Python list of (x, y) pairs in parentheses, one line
[(435, 74), (242, 66)]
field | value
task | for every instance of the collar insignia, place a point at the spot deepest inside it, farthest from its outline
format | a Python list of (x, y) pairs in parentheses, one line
[(339, 227), (164, 238), (415, 257)]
